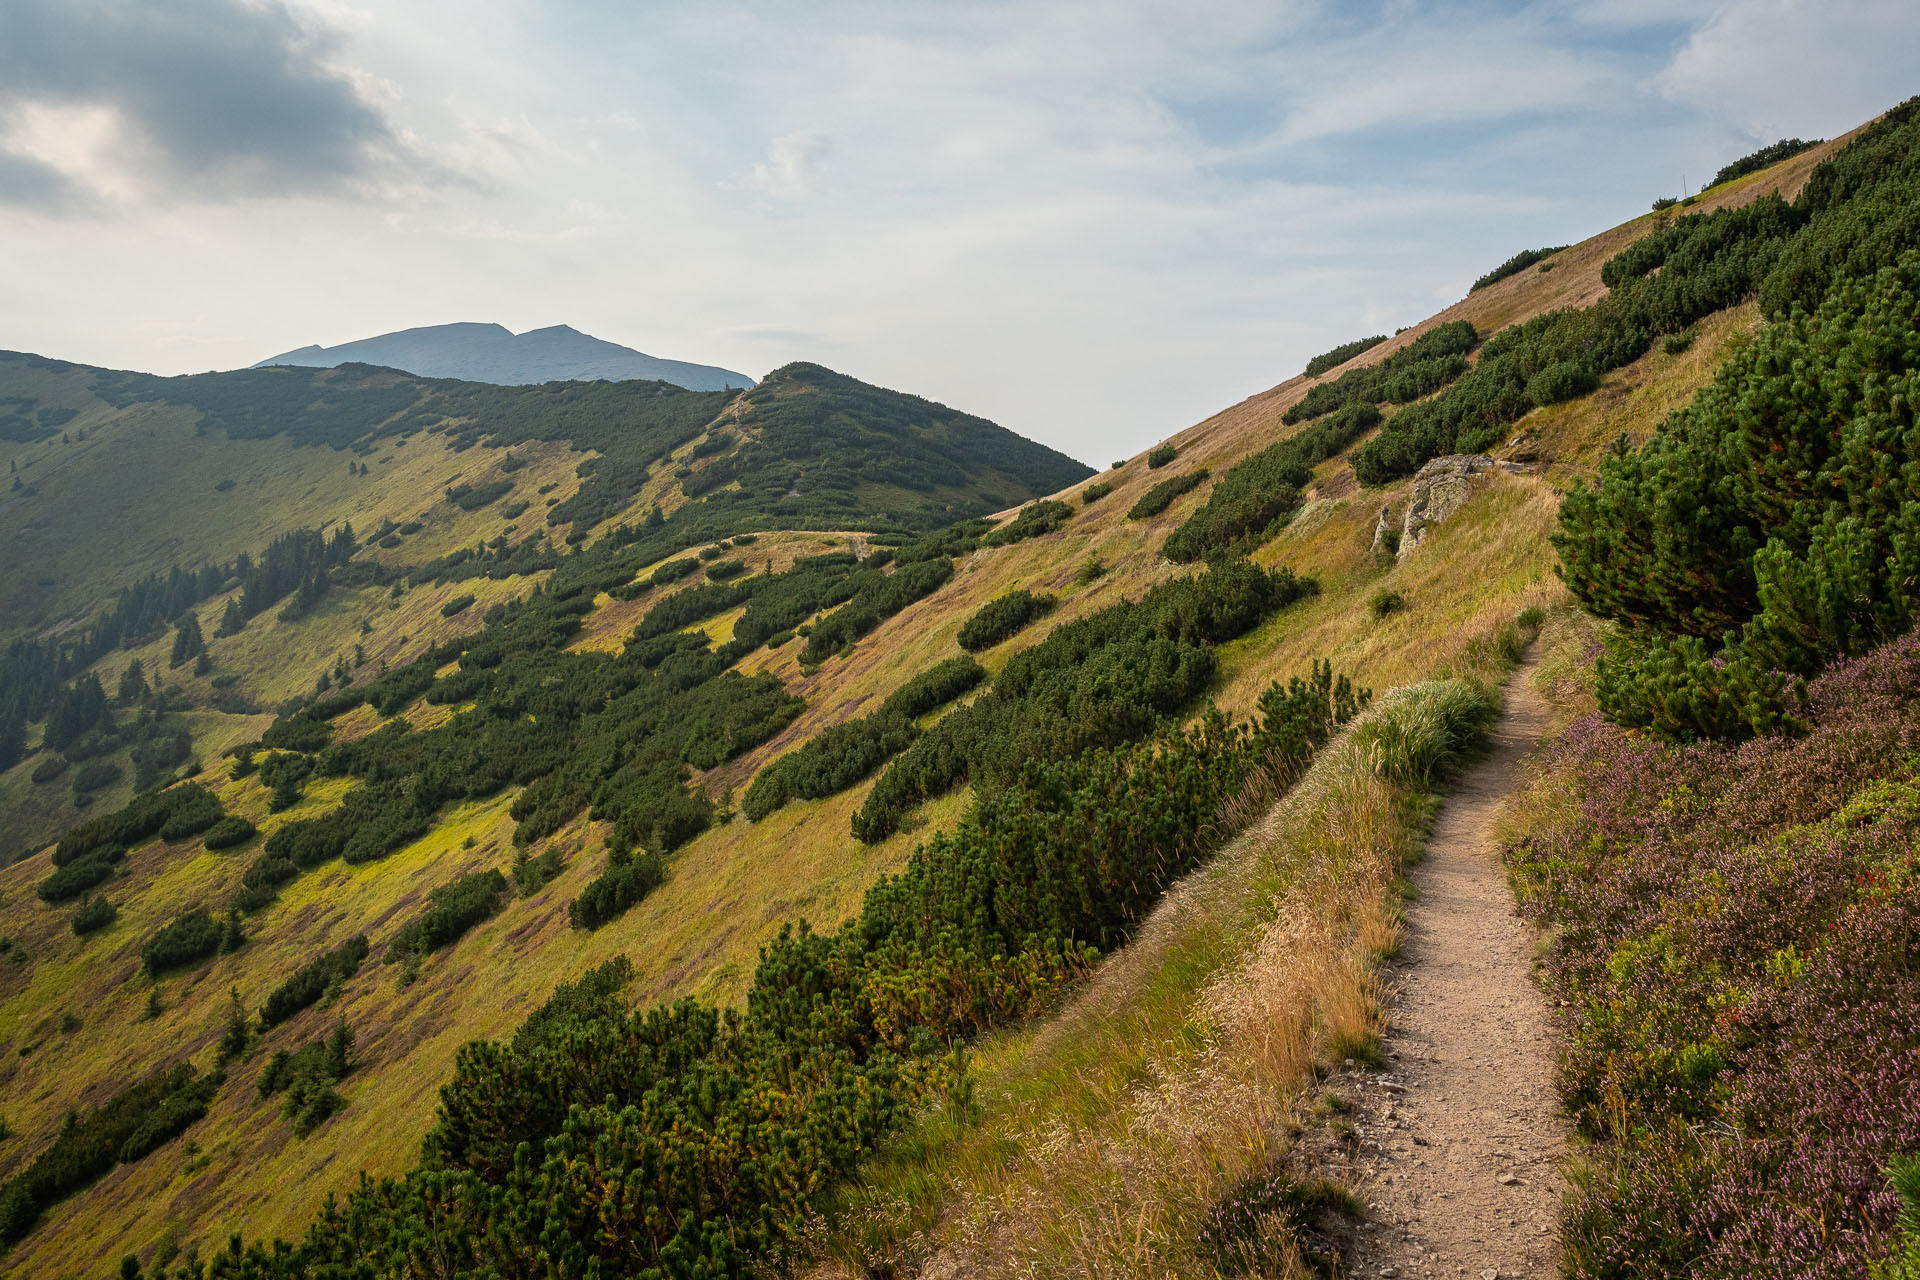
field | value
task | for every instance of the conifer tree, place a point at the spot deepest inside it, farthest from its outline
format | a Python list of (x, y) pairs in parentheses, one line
[(133, 683), (234, 620), (188, 643)]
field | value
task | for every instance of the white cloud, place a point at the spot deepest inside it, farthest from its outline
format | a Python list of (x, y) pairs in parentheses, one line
[(1778, 67), (792, 164)]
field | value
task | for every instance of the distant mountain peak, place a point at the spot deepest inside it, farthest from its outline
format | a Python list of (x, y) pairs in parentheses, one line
[(475, 351)]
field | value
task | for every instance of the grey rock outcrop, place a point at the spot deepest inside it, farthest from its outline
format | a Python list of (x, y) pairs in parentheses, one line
[(1381, 528), (1440, 489)]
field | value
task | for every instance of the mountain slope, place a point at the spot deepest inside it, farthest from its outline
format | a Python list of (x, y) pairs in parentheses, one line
[(493, 353), (612, 621)]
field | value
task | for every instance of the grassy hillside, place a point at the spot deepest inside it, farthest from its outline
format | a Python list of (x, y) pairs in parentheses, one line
[(75, 1009)]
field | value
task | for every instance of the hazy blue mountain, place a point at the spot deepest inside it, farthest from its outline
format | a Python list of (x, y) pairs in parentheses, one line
[(494, 353)]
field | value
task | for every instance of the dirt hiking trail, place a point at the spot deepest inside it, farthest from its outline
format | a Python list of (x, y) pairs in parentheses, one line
[(1458, 1141)]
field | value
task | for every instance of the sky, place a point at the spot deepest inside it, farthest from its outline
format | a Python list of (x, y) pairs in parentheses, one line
[(1095, 223)]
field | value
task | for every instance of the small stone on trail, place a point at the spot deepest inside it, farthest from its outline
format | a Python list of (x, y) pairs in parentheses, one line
[(1508, 1180), (1490, 1274)]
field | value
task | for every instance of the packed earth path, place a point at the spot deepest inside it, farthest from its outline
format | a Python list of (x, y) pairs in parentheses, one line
[(1460, 1137)]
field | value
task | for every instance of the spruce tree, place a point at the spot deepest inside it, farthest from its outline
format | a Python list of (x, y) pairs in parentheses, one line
[(188, 643), (133, 683)]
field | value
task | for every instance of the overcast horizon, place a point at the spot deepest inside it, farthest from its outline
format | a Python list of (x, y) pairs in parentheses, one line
[(1095, 224)]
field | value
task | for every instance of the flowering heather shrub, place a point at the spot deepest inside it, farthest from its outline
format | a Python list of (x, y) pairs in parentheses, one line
[(1736, 962)]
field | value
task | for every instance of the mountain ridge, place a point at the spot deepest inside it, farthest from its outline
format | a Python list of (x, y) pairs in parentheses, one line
[(484, 352)]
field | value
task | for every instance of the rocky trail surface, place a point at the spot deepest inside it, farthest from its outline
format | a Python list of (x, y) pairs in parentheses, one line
[(1456, 1143)]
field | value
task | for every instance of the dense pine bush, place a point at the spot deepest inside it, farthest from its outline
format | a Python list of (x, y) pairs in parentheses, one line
[(312, 979), (1097, 681), (74, 878), (451, 911), (1034, 519), (230, 832), (1341, 354), (1263, 489), (1764, 530), (1765, 158), (187, 940), (1161, 496), (629, 877), (95, 914), (1003, 616), (1423, 366), (1515, 265)]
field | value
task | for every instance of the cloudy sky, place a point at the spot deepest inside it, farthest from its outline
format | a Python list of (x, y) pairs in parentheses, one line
[(1094, 222)]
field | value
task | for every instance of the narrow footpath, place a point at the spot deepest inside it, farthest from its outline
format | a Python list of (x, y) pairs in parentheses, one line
[(1457, 1144)]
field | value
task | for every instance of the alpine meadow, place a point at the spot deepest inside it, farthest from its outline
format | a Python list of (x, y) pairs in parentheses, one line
[(1453, 812)]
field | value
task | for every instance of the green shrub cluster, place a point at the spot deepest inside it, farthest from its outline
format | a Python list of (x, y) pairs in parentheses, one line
[(1515, 265), (451, 911), (472, 497), (1160, 455), (1262, 490), (836, 758), (1765, 158), (845, 754), (71, 879), (458, 604), (1002, 617), (629, 877), (311, 980), (878, 597), (1420, 368), (1341, 354), (307, 1076), (1767, 528), (1034, 519), (1100, 680), (95, 775), (188, 940), (1094, 492), (95, 914), (126, 1127), (174, 814), (721, 570), (673, 571), (1161, 496), (230, 832)]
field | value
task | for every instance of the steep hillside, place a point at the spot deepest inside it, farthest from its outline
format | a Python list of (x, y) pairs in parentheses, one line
[(603, 741), (493, 353)]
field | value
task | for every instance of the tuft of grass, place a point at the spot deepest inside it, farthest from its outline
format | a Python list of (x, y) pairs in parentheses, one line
[(1384, 602)]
